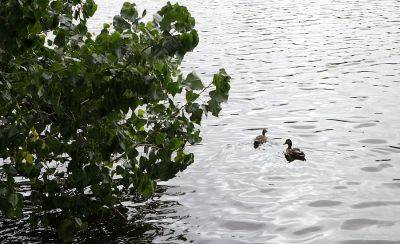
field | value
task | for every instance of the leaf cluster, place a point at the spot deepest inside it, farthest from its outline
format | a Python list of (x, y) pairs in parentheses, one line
[(86, 119)]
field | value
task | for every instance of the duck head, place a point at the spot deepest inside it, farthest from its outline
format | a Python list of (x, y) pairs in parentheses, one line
[(264, 131), (288, 142)]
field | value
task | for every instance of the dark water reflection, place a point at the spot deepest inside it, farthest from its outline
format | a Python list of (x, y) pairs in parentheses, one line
[(325, 74), (146, 222)]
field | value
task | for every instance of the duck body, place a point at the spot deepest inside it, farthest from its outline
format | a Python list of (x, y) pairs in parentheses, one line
[(292, 154), (261, 139)]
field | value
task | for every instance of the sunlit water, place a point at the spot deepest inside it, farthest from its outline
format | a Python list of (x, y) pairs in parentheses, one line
[(325, 74)]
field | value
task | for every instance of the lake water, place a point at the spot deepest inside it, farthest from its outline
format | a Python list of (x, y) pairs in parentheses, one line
[(325, 74)]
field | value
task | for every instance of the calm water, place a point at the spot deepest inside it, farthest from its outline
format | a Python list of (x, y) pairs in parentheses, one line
[(325, 74)]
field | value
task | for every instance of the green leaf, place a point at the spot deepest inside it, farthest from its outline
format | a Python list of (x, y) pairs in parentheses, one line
[(175, 17), (193, 82), (29, 158), (35, 29), (78, 221), (222, 86), (191, 96), (188, 159), (13, 130), (140, 113), (13, 199), (175, 144), (40, 92), (174, 88), (197, 116), (120, 24), (146, 185), (66, 230), (194, 138), (214, 107), (128, 93), (187, 41), (36, 196), (119, 170), (191, 107), (89, 8), (129, 12), (195, 38), (160, 138)]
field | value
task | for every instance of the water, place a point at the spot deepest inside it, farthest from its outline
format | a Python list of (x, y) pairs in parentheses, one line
[(325, 74)]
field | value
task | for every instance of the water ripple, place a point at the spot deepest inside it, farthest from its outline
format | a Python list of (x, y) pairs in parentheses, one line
[(357, 224)]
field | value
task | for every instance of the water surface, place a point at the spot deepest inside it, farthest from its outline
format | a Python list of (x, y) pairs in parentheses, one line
[(325, 74)]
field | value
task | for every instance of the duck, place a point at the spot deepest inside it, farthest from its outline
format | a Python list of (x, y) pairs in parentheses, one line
[(292, 154), (260, 139)]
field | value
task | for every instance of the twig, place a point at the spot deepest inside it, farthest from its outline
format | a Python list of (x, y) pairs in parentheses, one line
[(118, 158), (135, 145), (120, 213), (180, 108)]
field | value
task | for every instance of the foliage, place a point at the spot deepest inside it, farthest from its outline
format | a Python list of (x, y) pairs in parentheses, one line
[(87, 118)]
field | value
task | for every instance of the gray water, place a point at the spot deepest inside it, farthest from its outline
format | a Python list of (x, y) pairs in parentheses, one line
[(325, 74)]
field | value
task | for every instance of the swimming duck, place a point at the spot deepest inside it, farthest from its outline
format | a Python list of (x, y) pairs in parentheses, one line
[(260, 139), (292, 154)]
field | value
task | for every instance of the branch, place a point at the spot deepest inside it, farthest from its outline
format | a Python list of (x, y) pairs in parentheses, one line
[(208, 86), (118, 158), (120, 214), (135, 146), (181, 107)]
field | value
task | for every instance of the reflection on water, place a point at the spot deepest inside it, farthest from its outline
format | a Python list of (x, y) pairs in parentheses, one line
[(146, 222), (325, 74)]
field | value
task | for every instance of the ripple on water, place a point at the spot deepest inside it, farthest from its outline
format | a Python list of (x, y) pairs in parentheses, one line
[(353, 183), (308, 230), (370, 242), (357, 224), (340, 187), (383, 160), (243, 225), (276, 178), (267, 190), (303, 127), (364, 125), (324, 203), (373, 141), (392, 185), (376, 169), (394, 147), (389, 150), (375, 204), (323, 130)]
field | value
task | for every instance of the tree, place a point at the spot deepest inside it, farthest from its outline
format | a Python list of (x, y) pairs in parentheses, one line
[(86, 119)]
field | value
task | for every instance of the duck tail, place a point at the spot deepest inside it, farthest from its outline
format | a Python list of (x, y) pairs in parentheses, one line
[(256, 144)]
